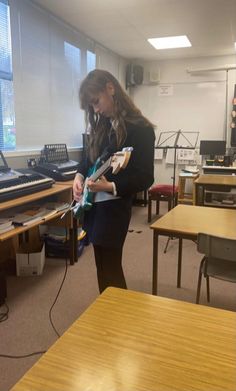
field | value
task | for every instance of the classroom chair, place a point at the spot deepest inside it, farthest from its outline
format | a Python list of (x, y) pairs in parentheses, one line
[(218, 262), (161, 193)]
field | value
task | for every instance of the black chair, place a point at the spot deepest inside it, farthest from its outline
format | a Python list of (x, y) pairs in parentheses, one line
[(219, 260)]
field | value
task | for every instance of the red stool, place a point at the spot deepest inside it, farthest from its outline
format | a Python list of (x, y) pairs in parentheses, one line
[(161, 193)]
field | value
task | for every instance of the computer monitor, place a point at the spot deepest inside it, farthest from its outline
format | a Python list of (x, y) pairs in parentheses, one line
[(212, 148)]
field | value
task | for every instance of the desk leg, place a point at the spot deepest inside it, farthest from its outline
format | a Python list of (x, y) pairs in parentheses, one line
[(155, 263), (145, 197), (71, 244), (196, 194), (200, 190), (75, 239), (179, 263)]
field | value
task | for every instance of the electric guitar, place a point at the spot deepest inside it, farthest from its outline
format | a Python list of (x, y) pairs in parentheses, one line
[(116, 162)]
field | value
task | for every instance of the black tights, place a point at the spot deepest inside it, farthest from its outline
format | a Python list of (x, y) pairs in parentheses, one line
[(109, 267)]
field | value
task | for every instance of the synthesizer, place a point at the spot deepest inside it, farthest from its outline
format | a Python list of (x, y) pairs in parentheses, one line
[(17, 183), (55, 163), (58, 171)]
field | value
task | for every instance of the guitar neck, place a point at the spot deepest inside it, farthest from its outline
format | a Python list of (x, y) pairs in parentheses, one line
[(101, 170)]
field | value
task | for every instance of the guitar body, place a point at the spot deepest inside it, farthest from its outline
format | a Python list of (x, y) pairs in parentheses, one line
[(87, 199), (117, 161)]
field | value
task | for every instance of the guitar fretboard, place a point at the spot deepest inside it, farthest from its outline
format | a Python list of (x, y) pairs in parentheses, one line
[(101, 170)]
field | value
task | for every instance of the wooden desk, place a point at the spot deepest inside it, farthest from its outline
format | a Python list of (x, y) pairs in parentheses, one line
[(220, 170), (183, 196), (68, 183), (132, 341), (221, 184), (62, 193), (185, 222), (74, 232)]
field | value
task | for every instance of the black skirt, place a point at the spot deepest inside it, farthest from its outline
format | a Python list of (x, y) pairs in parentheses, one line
[(107, 222)]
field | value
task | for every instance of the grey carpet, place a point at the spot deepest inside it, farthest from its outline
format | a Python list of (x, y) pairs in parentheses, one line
[(29, 298)]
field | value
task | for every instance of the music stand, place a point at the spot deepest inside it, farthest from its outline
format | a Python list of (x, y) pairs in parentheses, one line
[(176, 140)]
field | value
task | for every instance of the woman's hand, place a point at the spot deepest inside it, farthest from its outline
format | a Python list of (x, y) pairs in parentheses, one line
[(78, 187), (101, 184)]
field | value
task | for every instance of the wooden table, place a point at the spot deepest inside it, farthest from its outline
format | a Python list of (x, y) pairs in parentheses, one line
[(222, 183), (61, 192), (132, 341), (219, 170), (185, 222), (75, 221), (183, 195)]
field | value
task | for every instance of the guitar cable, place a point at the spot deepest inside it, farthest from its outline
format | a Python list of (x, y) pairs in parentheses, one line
[(4, 316)]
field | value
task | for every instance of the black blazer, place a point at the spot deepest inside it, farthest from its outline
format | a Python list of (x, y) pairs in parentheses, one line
[(139, 173), (107, 222)]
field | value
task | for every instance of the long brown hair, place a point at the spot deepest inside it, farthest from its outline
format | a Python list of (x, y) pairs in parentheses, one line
[(124, 110)]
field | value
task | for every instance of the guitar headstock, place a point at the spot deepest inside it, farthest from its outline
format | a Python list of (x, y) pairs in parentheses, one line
[(120, 159)]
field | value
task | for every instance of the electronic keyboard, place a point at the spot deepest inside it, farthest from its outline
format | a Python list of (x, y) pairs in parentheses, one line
[(17, 183)]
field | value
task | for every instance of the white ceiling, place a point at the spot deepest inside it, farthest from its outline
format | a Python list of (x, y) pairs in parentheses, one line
[(124, 25)]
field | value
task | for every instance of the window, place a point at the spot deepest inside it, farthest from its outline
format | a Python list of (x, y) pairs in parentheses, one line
[(73, 57), (49, 62), (7, 115), (91, 61)]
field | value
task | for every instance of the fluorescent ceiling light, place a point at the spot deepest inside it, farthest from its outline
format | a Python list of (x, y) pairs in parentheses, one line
[(180, 41)]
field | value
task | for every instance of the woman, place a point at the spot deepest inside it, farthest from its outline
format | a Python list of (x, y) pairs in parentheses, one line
[(114, 122)]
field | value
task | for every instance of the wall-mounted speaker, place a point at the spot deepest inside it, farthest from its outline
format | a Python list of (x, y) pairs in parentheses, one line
[(153, 76), (134, 75)]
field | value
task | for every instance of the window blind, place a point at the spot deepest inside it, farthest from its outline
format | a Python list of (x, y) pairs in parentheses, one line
[(50, 59), (7, 118)]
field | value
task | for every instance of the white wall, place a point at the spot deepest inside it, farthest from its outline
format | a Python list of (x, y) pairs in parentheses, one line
[(46, 104), (197, 102)]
